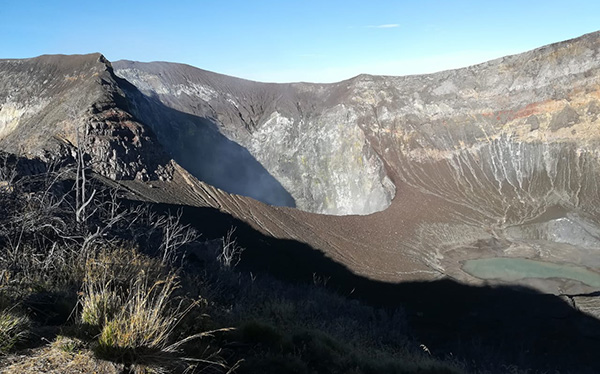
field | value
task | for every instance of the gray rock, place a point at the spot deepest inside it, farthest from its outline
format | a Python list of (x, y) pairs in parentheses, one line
[(533, 122), (565, 118)]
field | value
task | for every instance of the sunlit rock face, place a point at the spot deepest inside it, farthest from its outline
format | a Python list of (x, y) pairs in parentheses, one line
[(305, 136), (326, 162)]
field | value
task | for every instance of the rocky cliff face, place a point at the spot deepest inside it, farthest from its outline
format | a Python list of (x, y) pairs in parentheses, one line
[(506, 137), (303, 135), (507, 141), (51, 104)]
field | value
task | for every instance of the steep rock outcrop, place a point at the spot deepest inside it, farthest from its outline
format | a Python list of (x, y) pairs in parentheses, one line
[(50, 105)]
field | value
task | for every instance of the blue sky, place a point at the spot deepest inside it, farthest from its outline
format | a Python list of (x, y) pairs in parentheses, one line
[(283, 41)]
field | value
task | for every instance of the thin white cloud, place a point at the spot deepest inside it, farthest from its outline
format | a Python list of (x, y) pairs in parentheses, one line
[(384, 26)]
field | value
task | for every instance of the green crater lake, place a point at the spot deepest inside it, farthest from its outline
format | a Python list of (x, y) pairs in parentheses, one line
[(513, 269)]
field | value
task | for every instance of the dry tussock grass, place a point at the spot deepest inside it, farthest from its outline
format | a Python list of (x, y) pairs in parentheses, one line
[(58, 358), (130, 300), (13, 329)]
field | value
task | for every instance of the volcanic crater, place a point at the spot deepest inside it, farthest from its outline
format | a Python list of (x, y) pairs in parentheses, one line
[(397, 178)]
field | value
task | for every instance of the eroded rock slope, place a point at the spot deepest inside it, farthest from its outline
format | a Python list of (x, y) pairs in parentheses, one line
[(49, 105), (304, 135)]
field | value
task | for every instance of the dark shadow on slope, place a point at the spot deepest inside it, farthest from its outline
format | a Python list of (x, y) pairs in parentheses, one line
[(490, 326), (197, 145)]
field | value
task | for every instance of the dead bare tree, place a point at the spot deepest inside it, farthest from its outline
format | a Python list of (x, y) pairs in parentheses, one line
[(82, 200), (231, 252), (174, 235)]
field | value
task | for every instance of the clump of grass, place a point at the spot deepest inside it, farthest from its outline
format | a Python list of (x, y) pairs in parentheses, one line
[(68, 344), (140, 333), (99, 304), (13, 330), (110, 277), (145, 319), (131, 302)]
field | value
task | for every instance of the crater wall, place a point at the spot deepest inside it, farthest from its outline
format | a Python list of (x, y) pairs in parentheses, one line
[(306, 139)]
